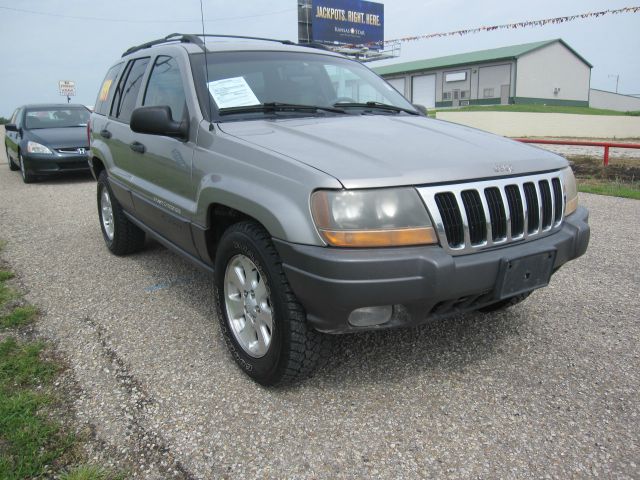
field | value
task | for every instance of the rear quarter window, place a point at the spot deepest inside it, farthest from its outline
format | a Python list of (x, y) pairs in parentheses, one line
[(125, 96), (106, 90)]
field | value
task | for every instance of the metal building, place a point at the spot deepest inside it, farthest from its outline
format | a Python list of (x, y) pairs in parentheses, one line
[(548, 72)]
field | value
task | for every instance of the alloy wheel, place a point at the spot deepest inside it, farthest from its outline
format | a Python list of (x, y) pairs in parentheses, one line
[(248, 306)]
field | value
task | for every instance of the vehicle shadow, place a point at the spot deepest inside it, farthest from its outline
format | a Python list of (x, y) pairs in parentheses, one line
[(66, 179), (444, 345)]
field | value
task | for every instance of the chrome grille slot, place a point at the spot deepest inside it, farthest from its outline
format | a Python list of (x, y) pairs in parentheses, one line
[(477, 215), (515, 208), (557, 200), (497, 213), (533, 208), (450, 212), (547, 204)]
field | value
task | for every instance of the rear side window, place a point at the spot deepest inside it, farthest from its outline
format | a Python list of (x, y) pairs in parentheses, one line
[(165, 87), (102, 102), (124, 100)]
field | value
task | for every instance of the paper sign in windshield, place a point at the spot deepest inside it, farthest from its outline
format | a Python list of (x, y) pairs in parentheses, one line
[(232, 92)]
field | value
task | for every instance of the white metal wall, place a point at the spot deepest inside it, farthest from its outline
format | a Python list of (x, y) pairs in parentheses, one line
[(613, 101), (553, 72)]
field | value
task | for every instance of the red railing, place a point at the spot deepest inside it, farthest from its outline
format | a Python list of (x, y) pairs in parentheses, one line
[(606, 145)]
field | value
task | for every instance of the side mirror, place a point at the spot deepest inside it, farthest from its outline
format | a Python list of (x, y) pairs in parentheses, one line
[(158, 121), (421, 108), (11, 127)]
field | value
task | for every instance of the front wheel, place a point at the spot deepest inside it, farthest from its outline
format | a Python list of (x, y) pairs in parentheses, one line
[(12, 165), (26, 176), (120, 234), (263, 325)]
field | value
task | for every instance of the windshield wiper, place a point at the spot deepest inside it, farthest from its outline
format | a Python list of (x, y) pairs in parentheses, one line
[(378, 105), (269, 107)]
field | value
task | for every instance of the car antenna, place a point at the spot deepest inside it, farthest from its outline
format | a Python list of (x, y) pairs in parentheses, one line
[(206, 66)]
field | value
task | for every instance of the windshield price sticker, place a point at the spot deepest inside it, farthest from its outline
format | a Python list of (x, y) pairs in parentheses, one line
[(232, 92)]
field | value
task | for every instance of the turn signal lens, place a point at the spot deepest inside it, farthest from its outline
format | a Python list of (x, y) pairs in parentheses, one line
[(380, 238)]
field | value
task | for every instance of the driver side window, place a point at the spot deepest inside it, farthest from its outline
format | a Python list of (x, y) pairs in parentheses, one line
[(165, 87)]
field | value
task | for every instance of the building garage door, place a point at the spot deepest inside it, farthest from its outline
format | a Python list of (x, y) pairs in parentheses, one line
[(397, 83), (423, 90)]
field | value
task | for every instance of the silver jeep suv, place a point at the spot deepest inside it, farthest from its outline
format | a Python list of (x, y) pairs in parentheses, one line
[(320, 199)]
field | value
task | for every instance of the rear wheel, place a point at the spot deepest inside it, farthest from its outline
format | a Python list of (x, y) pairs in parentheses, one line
[(12, 165), (26, 176), (264, 326), (120, 234)]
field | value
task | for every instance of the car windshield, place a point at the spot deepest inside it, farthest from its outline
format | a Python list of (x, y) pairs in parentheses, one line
[(56, 117), (283, 81)]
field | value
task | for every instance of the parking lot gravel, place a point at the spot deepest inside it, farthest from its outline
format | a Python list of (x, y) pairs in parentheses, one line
[(548, 389)]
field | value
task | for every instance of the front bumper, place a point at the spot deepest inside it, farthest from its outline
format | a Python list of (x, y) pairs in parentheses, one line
[(39, 164), (420, 282)]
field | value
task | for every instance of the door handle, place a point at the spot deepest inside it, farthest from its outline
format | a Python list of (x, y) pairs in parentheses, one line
[(137, 147), (105, 133)]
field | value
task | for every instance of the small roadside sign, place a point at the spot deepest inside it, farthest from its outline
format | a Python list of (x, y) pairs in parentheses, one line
[(67, 89)]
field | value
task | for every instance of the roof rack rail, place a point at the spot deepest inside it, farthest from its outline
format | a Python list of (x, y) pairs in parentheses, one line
[(195, 39)]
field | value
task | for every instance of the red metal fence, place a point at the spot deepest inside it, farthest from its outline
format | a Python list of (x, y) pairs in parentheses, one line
[(606, 145)]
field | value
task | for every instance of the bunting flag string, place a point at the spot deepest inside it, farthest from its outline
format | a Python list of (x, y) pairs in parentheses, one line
[(512, 26)]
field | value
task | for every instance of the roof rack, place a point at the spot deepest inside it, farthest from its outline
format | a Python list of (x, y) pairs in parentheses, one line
[(195, 39)]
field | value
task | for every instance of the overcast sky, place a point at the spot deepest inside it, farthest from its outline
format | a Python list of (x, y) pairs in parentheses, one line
[(40, 49)]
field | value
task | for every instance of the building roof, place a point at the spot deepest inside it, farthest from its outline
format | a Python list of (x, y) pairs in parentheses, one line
[(494, 54)]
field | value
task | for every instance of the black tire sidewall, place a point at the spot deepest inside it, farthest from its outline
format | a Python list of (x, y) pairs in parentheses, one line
[(268, 368)]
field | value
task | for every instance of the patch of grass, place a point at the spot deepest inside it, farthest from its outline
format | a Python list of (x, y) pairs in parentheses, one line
[(611, 188), (538, 108), (6, 293), (19, 317), (29, 439), (5, 275), (90, 472)]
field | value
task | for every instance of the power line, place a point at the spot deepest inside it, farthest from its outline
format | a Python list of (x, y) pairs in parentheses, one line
[(127, 20)]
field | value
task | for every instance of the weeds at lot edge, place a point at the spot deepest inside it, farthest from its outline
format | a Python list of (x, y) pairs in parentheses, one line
[(34, 441)]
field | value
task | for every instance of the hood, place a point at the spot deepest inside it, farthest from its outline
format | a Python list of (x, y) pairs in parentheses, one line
[(71, 137), (368, 151)]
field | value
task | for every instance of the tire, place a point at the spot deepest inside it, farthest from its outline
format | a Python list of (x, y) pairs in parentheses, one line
[(291, 350), (12, 165), (26, 176), (504, 304), (121, 236)]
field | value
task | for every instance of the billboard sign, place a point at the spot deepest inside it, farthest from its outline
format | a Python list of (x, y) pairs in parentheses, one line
[(351, 22)]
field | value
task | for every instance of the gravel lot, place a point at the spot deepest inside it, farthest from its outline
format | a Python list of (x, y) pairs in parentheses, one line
[(545, 390)]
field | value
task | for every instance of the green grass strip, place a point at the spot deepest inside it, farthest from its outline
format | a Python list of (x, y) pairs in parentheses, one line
[(29, 440), (19, 317), (610, 189)]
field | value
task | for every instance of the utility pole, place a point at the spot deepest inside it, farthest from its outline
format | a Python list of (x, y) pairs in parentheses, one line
[(617, 77)]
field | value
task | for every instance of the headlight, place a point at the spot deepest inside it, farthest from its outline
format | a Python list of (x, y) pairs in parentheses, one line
[(372, 218), (570, 191), (33, 147)]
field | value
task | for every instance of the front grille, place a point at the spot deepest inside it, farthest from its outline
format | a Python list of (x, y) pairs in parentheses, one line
[(477, 215), (72, 149)]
